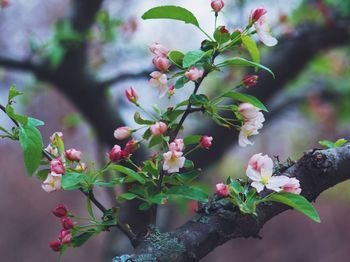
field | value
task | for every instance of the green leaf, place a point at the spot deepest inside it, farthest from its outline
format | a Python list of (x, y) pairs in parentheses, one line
[(194, 57), (59, 144), (42, 174), (188, 192), (236, 186), (189, 176), (190, 140), (297, 202), (13, 92), (340, 142), (171, 12), (239, 61), (89, 208), (188, 164), (221, 37), (172, 115), (80, 239), (71, 180), (139, 120), (126, 196), (199, 100), (35, 122), (181, 82), (129, 172), (31, 143), (326, 143), (19, 118), (176, 57), (252, 48), (245, 98), (155, 140)]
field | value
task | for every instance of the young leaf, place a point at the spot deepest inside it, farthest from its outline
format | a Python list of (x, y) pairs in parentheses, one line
[(126, 196), (239, 61), (129, 172), (326, 143), (253, 50), (71, 180), (139, 120), (13, 92), (194, 57), (31, 143), (297, 202), (181, 82), (193, 193), (340, 142), (176, 57), (190, 140), (80, 239), (171, 12), (245, 98)]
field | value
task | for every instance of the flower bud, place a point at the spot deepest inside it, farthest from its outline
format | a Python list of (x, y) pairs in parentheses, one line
[(56, 166), (158, 128), (206, 141), (131, 146), (194, 74), (60, 211), (256, 14), (115, 154), (222, 190), (161, 62), (81, 167), (158, 49), (53, 137), (122, 132), (177, 145), (171, 91), (67, 223), (55, 246), (250, 80), (65, 236), (131, 95), (217, 5), (73, 154)]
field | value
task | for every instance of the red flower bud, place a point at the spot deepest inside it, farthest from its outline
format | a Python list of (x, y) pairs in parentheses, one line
[(60, 211), (223, 30), (55, 246), (56, 166), (131, 95), (217, 5), (206, 141), (257, 13), (65, 236), (131, 146), (250, 80), (73, 154), (115, 154), (67, 223)]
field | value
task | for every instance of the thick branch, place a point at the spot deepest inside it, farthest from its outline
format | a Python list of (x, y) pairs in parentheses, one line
[(218, 221), (22, 65)]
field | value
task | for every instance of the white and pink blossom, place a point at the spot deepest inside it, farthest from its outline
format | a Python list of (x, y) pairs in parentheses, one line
[(158, 128), (52, 182), (260, 172), (217, 5), (194, 73), (73, 154), (160, 81), (52, 150), (53, 137), (122, 132), (173, 161), (222, 190), (159, 50), (293, 186), (177, 145), (258, 18), (161, 63), (56, 166)]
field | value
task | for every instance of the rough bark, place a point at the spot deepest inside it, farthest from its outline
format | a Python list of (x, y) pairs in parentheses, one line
[(219, 221)]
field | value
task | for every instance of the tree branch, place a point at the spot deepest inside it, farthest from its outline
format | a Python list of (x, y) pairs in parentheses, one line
[(125, 76), (219, 221), (22, 65)]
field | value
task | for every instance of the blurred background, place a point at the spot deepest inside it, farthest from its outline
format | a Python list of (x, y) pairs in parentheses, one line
[(76, 86)]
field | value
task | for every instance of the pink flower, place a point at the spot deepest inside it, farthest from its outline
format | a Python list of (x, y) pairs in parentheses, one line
[(161, 62), (173, 161), (131, 146), (262, 28), (194, 73), (55, 246), (60, 211), (81, 167), (256, 14), (158, 49), (122, 132), (51, 150), (53, 137), (250, 80), (73, 154), (52, 182), (158, 128), (56, 166), (253, 121), (115, 154), (217, 5), (65, 236), (131, 95), (222, 190), (177, 145), (293, 186), (160, 81), (206, 141), (260, 171), (67, 223)]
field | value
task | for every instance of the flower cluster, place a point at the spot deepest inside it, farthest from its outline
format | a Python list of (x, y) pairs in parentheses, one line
[(253, 121), (60, 161), (64, 236)]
